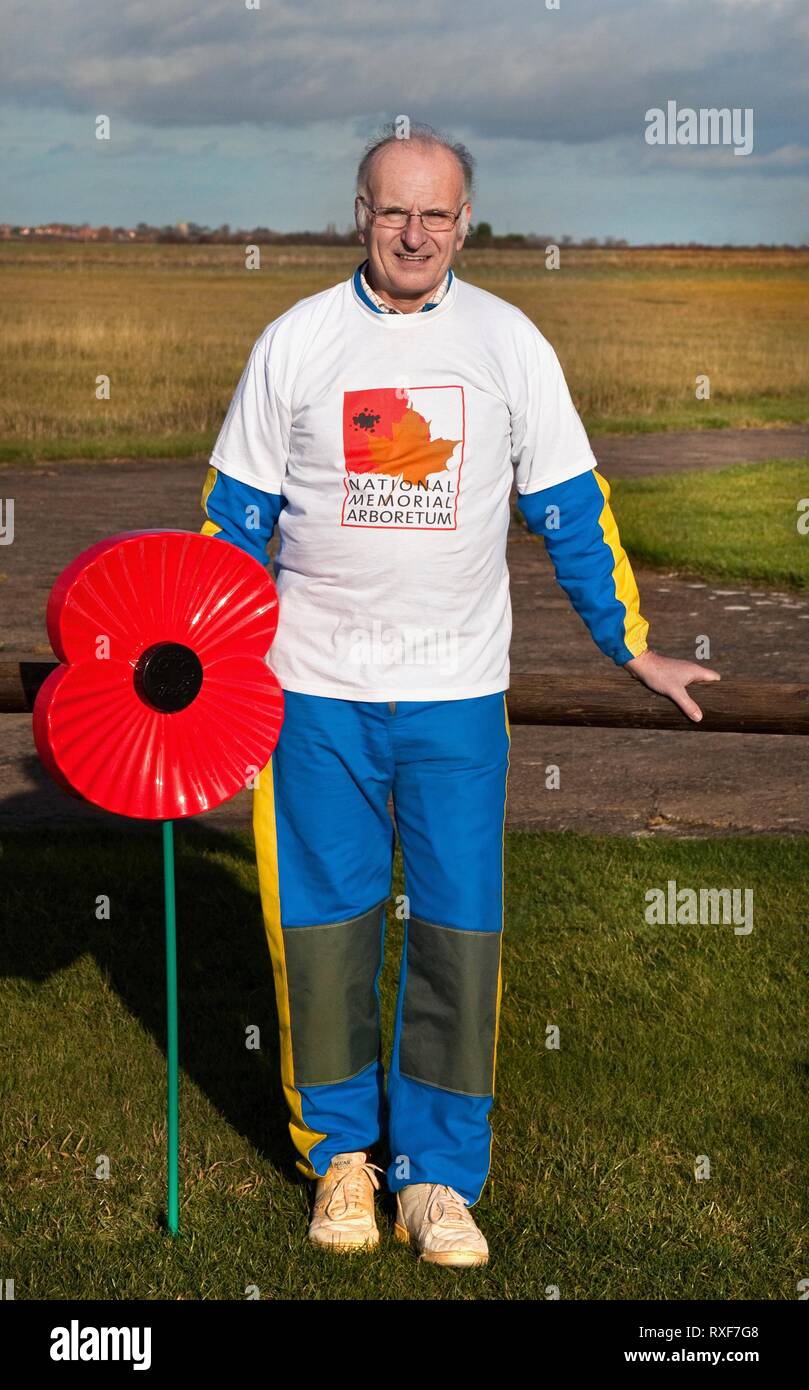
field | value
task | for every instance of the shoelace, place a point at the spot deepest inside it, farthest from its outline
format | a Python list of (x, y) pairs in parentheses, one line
[(449, 1203), (351, 1187)]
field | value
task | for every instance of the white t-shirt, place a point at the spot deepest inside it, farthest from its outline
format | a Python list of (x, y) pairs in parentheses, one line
[(394, 439)]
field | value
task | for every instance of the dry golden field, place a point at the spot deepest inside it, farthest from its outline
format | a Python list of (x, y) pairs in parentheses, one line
[(171, 327)]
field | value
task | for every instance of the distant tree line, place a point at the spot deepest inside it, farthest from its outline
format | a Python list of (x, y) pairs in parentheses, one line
[(481, 235)]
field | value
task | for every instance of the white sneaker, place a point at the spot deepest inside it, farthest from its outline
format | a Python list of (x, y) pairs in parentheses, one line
[(439, 1221), (343, 1213)]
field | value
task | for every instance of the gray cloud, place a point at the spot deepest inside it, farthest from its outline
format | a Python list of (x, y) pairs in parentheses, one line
[(583, 74)]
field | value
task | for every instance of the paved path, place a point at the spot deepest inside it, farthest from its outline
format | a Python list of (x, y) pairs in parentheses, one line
[(639, 783), (633, 456)]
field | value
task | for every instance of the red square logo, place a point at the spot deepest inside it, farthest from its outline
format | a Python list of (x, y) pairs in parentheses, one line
[(403, 448)]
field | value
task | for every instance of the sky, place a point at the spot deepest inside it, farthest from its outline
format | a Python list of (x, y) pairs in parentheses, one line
[(256, 112)]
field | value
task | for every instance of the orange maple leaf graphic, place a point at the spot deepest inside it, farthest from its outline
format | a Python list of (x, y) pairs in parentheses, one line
[(411, 452)]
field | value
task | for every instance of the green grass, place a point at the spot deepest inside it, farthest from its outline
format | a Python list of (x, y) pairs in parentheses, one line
[(171, 326), (735, 523), (675, 1042), (755, 411)]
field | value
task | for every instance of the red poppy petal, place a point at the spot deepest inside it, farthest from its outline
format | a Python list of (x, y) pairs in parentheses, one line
[(64, 583), (209, 751), (234, 609), (86, 717), (42, 729), (96, 733), (240, 713), (163, 585)]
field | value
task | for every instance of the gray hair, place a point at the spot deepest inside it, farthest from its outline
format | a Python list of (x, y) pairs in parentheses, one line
[(405, 129)]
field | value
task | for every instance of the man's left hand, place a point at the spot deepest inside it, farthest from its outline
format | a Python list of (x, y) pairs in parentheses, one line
[(668, 676)]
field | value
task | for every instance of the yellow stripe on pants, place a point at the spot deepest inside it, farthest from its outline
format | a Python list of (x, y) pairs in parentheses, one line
[(266, 840), (503, 899)]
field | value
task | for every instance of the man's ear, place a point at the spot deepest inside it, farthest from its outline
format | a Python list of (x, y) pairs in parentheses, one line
[(463, 225), (360, 229)]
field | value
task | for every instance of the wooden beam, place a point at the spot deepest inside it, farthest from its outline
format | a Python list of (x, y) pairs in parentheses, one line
[(609, 700), (616, 700), (20, 681)]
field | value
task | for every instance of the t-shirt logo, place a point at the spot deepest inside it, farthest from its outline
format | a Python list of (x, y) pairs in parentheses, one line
[(403, 449)]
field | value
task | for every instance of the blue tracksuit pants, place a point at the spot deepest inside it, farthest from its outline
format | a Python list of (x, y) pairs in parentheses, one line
[(324, 847)]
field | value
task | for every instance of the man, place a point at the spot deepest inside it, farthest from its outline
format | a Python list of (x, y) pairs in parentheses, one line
[(380, 424)]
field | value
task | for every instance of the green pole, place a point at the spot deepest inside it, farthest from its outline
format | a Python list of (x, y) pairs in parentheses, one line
[(172, 1086)]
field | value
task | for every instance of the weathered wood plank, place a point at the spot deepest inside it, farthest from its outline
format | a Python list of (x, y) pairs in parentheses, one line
[(614, 700)]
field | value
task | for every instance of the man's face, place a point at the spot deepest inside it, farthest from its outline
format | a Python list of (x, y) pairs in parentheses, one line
[(407, 264)]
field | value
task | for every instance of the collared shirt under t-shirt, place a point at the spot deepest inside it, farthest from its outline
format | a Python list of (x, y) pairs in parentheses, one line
[(385, 308)]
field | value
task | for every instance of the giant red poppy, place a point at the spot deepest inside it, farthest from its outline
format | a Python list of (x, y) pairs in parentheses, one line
[(164, 705)]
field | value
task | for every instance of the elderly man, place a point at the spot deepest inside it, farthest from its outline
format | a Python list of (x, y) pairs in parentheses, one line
[(381, 423)]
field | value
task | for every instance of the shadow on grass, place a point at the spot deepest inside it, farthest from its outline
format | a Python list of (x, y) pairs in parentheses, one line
[(52, 880)]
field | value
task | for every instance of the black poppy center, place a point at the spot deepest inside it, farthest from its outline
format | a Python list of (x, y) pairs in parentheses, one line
[(168, 676)]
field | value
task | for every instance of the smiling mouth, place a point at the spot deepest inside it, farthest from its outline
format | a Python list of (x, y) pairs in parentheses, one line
[(416, 260)]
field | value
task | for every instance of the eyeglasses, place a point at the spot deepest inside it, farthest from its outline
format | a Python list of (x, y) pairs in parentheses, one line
[(432, 221)]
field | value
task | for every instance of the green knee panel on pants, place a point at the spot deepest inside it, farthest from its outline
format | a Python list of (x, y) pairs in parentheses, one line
[(450, 1007), (334, 1016)]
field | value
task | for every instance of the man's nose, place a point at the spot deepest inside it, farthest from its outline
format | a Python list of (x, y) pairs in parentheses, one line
[(413, 235)]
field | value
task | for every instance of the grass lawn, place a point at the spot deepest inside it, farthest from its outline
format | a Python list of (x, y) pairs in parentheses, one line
[(675, 1042), (171, 327), (735, 523)]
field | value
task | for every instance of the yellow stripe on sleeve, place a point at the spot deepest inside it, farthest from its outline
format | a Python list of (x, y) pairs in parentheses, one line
[(209, 527), (626, 590)]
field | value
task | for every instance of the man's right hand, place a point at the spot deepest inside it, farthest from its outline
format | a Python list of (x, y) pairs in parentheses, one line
[(669, 676)]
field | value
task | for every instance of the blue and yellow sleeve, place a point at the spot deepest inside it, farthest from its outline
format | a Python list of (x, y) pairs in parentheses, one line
[(575, 520), (239, 512)]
